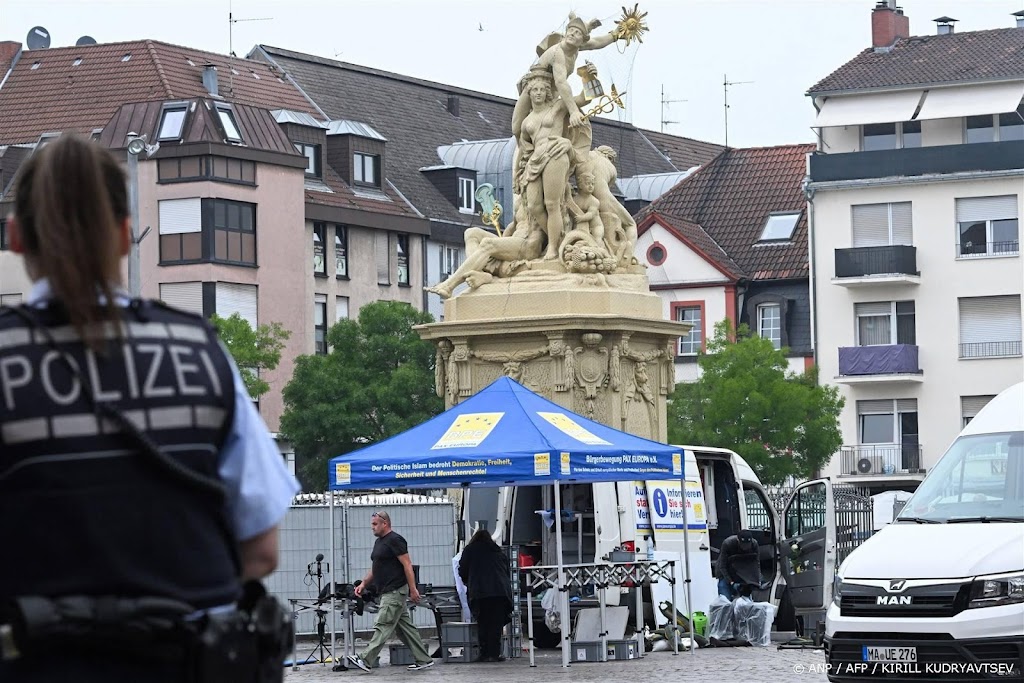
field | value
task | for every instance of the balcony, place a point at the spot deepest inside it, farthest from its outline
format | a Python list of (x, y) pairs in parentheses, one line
[(918, 161), (888, 265), (890, 364), (880, 460), (969, 250), (999, 349)]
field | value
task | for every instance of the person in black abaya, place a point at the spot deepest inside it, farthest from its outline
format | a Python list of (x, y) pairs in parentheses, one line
[(484, 568)]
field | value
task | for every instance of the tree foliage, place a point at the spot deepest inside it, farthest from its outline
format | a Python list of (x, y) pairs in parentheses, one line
[(781, 423), (253, 350), (377, 381)]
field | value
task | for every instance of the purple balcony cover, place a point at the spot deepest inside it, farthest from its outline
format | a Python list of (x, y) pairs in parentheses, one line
[(878, 360)]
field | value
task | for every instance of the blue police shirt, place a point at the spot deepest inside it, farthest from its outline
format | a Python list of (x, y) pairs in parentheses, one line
[(259, 487)]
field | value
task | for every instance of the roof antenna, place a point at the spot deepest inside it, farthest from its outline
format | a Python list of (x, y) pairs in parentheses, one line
[(663, 103), (725, 90), (231, 42)]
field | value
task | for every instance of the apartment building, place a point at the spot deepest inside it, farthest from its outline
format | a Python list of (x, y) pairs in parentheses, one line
[(916, 191), (729, 242)]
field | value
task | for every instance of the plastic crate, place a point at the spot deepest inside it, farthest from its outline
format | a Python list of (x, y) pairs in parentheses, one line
[(623, 649), (401, 655), (460, 652), (459, 632), (585, 651)]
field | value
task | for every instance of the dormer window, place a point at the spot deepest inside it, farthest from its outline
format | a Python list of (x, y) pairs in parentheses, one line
[(467, 191), (366, 169), (172, 121), (779, 227), (227, 122), (312, 154)]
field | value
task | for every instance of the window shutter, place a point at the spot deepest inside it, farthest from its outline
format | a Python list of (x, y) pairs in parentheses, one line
[(990, 319), (235, 298), (986, 208), (383, 254), (970, 406), (875, 407), (871, 225), (873, 308), (902, 223), (340, 308), (179, 216), (188, 296), (906, 405)]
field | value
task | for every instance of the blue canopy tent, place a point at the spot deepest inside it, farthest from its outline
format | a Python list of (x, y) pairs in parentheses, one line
[(506, 435)]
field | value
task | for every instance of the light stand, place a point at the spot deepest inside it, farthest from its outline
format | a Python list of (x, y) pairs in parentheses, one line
[(321, 651)]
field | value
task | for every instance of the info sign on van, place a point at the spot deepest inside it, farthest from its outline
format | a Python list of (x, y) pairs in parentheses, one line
[(661, 505)]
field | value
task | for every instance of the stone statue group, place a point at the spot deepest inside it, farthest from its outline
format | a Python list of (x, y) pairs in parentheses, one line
[(555, 228)]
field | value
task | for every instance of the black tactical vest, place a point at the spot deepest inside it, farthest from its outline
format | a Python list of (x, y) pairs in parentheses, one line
[(82, 510)]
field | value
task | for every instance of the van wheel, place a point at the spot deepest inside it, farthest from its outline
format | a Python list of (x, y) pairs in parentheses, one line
[(785, 620), (543, 638)]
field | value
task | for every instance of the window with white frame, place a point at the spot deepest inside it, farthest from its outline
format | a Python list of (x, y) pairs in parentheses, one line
[(990, 326), (987, 226), (779, 227), (340, 251), (450, 260), (970, 406), (312, 154), (882, 225), (226, 115), (995, 127), (319, 249), (340, 308), (691, 343), (467, 200), (877, 136), (769, 323), (885, 323), (320, 324), (888, 432), (366, 169), (172, 121)]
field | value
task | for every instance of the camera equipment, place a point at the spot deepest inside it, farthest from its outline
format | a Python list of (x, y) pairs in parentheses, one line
[(315, 570)]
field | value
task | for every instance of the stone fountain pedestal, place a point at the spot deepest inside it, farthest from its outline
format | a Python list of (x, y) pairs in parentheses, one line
[(597, 345)]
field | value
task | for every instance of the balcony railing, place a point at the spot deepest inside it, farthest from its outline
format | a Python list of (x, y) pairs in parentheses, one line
[(990, 349), (978, 249), (880, 459), (891, 359), (941, 159), (887, 260)]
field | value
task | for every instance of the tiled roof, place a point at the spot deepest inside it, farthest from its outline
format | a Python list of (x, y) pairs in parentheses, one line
[(996, 54), (700, 239), (731, 198), (684, 153), (47, 91), (412, 115), (343, 196)]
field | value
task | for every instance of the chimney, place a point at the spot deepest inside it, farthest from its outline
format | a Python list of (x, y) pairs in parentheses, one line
[(9, 49), (888, 24), (210, 78), (945, 25), (453, 105), (1019, 15)]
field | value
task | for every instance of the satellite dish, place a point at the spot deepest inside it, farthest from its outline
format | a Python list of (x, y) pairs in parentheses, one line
[(38, 38), (86, 40)]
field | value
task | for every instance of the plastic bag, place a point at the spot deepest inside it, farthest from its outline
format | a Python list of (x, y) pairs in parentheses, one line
[(552, 616), (721, 619), (754, 621)]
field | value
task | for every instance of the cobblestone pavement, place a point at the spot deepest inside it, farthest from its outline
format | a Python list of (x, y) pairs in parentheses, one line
[(714, 665)]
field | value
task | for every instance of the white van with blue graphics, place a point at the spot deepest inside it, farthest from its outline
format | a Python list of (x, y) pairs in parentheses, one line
[(939, 593)]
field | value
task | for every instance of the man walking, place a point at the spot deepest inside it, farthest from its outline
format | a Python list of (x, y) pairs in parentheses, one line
[(392, 578)]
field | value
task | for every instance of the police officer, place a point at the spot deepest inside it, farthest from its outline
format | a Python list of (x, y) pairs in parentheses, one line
[(139, 487), (738, 567)]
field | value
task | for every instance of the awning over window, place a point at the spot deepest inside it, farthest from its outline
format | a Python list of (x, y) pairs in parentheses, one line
[(972, 100), (858, 110)]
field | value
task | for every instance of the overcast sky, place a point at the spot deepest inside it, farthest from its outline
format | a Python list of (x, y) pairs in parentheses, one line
[(781, 46)]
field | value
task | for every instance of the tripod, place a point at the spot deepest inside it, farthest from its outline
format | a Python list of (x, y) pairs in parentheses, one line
[(321, 651)]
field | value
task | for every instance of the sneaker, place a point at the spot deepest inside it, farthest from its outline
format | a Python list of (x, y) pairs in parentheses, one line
[(421, 665), (356, 660)]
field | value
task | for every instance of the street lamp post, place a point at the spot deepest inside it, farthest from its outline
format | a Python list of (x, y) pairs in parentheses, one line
[(136, 145)]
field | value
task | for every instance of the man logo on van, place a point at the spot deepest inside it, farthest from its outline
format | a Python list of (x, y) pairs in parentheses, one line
[(897, 586), (894, 600)]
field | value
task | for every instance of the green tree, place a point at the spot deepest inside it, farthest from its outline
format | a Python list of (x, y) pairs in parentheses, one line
[(377, 381), (253, 350), (781, 423)]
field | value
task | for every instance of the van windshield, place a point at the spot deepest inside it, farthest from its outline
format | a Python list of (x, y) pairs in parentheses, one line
[(980, 478)]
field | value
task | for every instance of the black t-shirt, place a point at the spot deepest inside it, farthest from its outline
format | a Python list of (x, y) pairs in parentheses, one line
[(388, 573)]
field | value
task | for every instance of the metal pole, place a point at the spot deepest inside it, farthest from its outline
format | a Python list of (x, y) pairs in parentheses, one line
[(334, 615), (134, 276), (675, 615), (604, 627), (686, 559), (563, 596), (529, 619)]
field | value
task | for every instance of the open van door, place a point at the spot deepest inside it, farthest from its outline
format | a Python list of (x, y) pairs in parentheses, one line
[(807, 551), (763, 522)]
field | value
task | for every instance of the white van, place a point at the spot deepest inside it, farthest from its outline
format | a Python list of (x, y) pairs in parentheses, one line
[(723, 490), (939, 593)]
